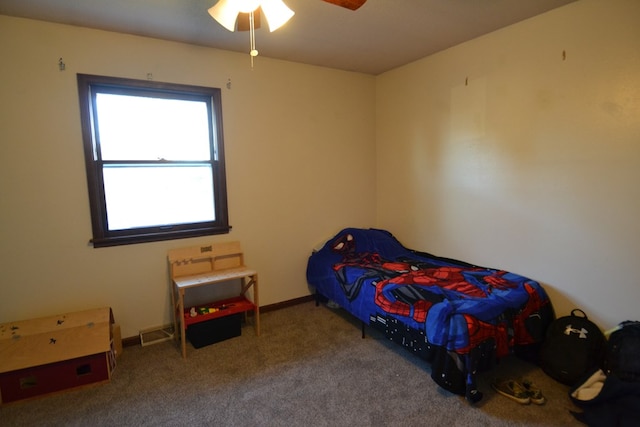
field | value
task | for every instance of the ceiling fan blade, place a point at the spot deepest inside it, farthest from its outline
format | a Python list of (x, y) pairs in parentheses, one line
[(243, 20), (349, 4)]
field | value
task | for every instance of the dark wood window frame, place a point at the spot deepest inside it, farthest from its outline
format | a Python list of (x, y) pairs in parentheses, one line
[(88, 86)]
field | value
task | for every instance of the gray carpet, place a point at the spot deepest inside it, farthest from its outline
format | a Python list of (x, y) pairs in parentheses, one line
[(308, 368)]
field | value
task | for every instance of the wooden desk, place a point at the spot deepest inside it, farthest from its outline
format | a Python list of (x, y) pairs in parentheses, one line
[(217, 263)]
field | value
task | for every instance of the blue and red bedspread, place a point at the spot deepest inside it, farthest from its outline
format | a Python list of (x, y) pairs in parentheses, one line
[(458, 316)]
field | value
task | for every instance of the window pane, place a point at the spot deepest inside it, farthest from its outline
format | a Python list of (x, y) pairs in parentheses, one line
[(154, 154), (142, 128), (148, 196)]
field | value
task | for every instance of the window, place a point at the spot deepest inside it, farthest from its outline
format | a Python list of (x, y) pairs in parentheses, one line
[(154, 156)]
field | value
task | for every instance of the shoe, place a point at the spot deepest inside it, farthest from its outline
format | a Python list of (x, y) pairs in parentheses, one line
[(534, 393), (513, 390)]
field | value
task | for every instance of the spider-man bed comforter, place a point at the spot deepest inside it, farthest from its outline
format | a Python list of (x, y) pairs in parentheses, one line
[(459, 317)]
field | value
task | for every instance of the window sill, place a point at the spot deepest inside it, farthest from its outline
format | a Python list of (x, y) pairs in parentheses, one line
[(156, 237)]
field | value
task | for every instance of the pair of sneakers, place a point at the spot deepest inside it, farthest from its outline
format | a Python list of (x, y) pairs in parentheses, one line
[(523, 391)]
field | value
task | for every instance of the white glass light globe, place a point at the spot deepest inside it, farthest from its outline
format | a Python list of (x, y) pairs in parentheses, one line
[(246, 6)]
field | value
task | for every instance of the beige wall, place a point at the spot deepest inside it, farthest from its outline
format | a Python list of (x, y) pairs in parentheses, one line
[(299, 143), (503, 152)]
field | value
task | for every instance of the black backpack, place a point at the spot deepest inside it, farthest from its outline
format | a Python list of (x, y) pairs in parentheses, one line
[(574, 345), (623, 352)]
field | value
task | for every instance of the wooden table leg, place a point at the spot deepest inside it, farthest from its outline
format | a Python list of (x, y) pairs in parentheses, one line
[(183, 338), (174, 309), (256, 302)]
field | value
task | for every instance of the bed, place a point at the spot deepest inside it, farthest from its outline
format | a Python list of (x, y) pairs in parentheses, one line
[(459, 317)]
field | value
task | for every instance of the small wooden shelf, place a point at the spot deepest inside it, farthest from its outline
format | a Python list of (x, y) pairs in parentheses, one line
[(206, 265), (226, 307)]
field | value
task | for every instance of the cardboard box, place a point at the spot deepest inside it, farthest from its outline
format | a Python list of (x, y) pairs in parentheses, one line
[(214, 330), (51, 354)]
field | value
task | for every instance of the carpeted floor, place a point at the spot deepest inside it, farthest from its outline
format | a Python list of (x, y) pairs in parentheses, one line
[(309, 367)]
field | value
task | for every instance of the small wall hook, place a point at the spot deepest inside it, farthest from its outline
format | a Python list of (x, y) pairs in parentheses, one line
[(61, 65)]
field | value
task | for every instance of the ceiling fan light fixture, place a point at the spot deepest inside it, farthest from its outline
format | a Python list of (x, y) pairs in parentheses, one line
[(226, 13), (276, 12), (246, 6)]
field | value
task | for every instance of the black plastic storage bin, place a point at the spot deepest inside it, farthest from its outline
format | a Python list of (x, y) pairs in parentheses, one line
[(214, 330)]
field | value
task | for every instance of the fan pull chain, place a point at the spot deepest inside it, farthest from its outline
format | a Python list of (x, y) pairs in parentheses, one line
[(252, 35)]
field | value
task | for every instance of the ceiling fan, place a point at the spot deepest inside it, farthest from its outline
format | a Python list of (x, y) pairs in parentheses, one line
[(236, 14), (244, 15)]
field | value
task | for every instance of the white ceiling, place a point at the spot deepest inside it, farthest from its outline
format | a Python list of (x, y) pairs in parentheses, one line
[(381, 35)]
